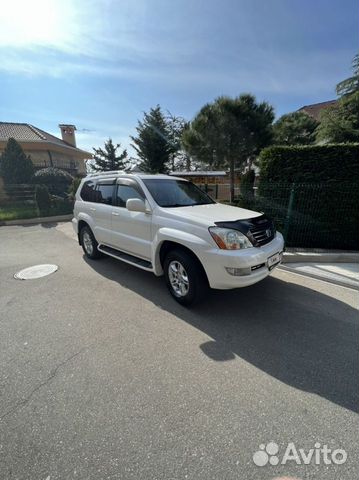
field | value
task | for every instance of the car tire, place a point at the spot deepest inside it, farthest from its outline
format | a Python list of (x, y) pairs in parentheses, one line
[(89, 244), (185, 277)]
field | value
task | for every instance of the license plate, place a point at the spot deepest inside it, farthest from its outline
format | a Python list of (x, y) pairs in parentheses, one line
[(274, 260)]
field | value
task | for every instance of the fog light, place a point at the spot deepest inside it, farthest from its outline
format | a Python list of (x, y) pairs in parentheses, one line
[(238, 271)]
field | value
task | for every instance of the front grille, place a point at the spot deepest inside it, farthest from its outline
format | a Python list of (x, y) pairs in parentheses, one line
[(260, 230), (262, 233)]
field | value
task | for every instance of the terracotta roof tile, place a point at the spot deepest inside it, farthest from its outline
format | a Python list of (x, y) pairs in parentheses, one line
[(315, 109), (26, 132)]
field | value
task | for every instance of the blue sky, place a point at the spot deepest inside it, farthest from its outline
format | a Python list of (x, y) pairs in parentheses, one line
[(100, 63)]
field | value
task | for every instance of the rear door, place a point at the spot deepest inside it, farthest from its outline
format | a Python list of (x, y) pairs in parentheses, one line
[(131, 231), (101, 210)]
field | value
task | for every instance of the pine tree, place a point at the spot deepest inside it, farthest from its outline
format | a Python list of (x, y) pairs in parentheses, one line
[(228, 131), (179, 160), (15, 165), (152, 144), (350, 85), (107, 159), (296, 128), (340, 122)]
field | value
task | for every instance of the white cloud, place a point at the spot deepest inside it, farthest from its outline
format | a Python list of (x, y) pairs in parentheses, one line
[(294, 74), (127, 39)]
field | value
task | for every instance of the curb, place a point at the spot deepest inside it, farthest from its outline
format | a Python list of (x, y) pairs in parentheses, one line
[(347, 283), (34, 221), (325, 257)]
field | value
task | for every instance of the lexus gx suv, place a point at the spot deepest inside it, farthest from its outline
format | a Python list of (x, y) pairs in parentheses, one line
[(169, 226)]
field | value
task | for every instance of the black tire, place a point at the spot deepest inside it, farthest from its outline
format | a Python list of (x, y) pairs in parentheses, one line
[(197, 286), (89, 244)]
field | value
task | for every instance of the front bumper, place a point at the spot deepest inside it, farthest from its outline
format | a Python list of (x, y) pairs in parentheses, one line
[(215, 261)]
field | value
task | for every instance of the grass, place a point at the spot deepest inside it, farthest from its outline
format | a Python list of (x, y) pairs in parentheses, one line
[(20, 212), (17, 212)]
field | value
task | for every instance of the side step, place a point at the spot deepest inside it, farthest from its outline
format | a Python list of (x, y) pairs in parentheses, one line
[(125, 257)]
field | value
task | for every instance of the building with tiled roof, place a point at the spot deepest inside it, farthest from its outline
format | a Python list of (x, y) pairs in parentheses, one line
[(45, 149), (315, 109)]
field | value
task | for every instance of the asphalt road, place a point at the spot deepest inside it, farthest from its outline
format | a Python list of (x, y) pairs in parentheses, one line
[(104, 376)]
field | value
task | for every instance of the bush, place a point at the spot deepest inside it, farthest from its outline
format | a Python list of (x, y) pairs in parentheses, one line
[(43, 200), (61, 206), (310, 164), (15, 166), (56, 180), (74, 186), (312, 194)]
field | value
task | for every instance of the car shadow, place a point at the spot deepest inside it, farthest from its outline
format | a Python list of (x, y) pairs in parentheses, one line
[(302, 337), (49, 224)]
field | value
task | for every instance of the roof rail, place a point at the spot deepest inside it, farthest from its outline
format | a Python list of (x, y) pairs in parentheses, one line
[(109, 172)]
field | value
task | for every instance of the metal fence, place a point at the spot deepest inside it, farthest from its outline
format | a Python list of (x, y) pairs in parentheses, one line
[(19, 202), (320, 216), (17, 194), (309, 215)]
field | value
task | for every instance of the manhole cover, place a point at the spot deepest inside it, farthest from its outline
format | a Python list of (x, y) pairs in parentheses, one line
[(37, 271)]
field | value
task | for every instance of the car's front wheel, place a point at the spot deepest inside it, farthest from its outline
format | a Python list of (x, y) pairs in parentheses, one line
[(185, 277), (89, 244)]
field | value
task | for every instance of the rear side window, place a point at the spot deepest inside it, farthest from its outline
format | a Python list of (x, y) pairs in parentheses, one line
[(125, 192), (88, 191), (103, 193)]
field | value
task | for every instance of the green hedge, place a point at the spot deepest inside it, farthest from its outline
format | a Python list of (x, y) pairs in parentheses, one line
[(310, 164), (312, 193)]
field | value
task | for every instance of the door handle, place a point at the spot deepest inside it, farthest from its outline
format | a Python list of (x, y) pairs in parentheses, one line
[(115, 214), (93, 209)]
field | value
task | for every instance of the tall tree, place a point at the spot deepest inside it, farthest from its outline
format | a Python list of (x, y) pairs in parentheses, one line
[(153, 141), (179, 159), (228, 131), (350, 85), (15, 165), (340, 122), (295, 128), (108, 159)]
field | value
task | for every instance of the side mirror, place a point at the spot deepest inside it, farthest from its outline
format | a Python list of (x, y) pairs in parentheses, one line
[(136, 205)]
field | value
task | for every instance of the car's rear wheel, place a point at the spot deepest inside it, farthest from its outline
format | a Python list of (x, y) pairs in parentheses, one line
[(185, 277), (89, 244)]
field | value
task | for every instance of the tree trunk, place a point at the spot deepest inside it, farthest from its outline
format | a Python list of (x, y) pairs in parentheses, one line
[(231, 180), (188, 163)]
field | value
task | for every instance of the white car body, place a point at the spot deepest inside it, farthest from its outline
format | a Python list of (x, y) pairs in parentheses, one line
[(141, 235)]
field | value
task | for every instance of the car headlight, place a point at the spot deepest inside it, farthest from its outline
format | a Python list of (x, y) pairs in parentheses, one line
[(228, 239)]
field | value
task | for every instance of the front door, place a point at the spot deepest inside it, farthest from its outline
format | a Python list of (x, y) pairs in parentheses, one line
[(131, 231)]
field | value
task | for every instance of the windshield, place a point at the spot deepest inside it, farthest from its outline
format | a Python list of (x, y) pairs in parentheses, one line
[(176, 193)]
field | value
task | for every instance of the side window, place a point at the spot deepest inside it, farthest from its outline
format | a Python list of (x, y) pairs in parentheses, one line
[(103, 193), (88, 191), (124, 192)]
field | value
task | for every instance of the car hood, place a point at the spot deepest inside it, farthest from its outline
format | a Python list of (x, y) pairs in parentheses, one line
[(209, 214)]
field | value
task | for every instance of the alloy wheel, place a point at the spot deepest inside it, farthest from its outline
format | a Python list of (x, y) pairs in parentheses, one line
[(178, 278)]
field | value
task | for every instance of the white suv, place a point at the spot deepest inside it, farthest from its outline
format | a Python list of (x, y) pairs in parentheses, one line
[(170, 227)]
